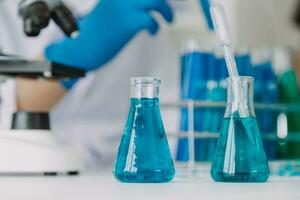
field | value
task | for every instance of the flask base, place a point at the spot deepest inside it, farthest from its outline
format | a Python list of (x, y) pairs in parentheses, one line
[(145, 176), (244, 177)]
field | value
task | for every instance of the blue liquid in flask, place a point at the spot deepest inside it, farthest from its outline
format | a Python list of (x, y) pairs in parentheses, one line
[(144, 155), (239, 155)]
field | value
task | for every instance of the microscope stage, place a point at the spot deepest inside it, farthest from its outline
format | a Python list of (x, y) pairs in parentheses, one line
[(15, 66)]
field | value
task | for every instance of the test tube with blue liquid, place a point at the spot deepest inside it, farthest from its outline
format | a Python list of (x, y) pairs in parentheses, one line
[(258, 90), (213, 116), (266, 92), (239, 155), (269, 118), (201, 94), (189, 64), (193, 87), (219, 96), (244, 64), (201, 119), (144, 155)]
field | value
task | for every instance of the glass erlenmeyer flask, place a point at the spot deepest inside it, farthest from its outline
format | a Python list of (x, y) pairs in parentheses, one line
[(239, 155), (144, 155)]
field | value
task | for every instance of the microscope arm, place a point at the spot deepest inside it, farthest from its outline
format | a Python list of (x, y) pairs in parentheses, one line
[(36, 15), (37, 69)]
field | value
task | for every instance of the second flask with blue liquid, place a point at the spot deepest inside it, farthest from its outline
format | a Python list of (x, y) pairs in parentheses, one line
[(239, 155)]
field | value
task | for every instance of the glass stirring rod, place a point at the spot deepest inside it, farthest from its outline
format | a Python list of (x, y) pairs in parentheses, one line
[(222, 30)]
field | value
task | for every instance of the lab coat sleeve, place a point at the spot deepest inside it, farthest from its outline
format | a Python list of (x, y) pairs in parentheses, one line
[(8, 103)]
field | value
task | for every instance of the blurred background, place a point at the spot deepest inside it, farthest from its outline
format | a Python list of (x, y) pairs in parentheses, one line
[(266, 42), (186, 58)]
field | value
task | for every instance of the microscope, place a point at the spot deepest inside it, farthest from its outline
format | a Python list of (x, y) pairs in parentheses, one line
[(37, 14), (30, 147)]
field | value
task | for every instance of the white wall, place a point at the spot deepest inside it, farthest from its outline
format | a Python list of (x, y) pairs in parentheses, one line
[(263, 23)]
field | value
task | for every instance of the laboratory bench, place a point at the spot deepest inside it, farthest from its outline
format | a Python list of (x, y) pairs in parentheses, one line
[(102, 185)]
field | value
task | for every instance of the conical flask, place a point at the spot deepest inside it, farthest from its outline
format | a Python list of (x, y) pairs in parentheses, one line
[(239, 155), (144, 155)]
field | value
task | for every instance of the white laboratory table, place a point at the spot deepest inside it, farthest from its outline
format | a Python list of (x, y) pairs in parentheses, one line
[(97, 186)]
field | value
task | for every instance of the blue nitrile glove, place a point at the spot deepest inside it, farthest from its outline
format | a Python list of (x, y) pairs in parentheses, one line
[(206, 11), (105, 31)]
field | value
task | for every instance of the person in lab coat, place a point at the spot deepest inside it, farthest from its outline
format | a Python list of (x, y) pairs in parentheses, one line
[(91, 112)]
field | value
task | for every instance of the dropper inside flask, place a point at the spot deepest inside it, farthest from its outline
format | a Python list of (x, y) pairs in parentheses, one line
[(222, 30), (239, 156)]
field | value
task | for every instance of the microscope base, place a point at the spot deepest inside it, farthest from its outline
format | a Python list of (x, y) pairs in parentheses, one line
[(28, 152)]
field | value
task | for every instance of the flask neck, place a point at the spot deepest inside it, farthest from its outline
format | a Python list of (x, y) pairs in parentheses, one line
[(232, 108), (144, 87)]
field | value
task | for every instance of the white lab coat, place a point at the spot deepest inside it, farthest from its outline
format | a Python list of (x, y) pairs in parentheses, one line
[(263, 23), (94, 113), (14, 41)]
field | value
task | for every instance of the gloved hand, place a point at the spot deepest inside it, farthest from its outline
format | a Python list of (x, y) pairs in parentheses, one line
[(206, 11), (106, 30)]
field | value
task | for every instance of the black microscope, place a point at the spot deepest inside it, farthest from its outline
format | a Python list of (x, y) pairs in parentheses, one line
[(29, 147), (37, 14)]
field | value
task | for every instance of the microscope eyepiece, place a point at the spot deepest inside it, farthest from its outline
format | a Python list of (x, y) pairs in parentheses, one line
[(36, 16), (64, 18)]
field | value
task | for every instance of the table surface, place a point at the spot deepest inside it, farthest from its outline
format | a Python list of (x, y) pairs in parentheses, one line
[(103, 186)]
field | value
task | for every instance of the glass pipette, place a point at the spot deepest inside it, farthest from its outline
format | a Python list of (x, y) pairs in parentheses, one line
[(222, 30)]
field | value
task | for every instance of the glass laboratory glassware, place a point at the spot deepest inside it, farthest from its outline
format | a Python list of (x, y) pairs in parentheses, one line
[(144, 155), (239, 155)]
